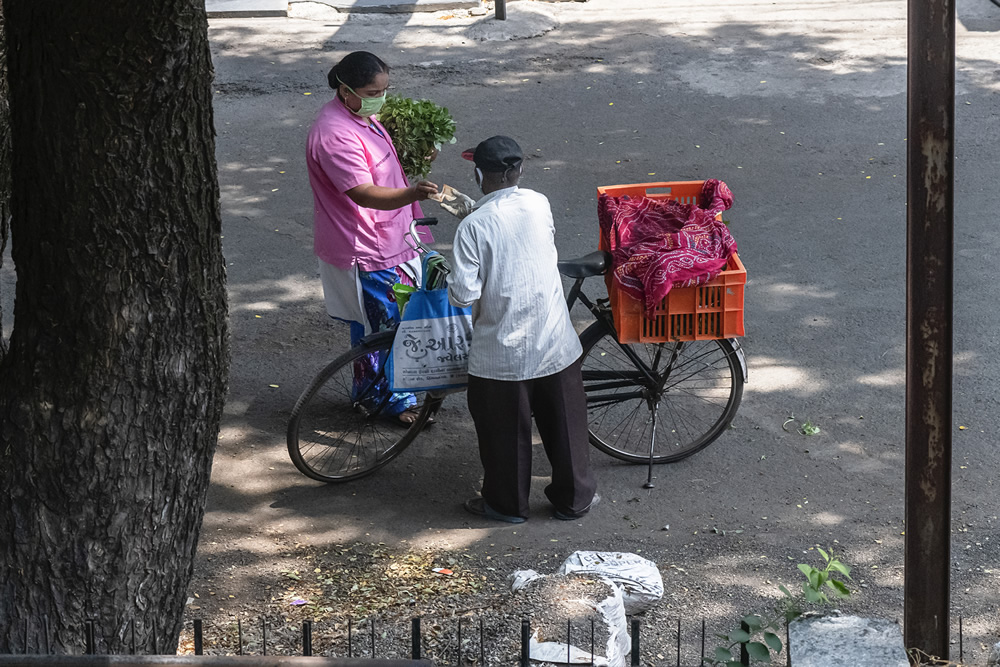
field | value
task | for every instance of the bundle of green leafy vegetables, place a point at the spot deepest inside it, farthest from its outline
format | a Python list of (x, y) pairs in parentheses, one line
[(418, 129)]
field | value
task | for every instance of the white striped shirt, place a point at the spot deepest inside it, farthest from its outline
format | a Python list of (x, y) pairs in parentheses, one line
[(505, 268)]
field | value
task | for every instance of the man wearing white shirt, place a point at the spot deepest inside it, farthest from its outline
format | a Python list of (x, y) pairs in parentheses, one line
[(525, 354)]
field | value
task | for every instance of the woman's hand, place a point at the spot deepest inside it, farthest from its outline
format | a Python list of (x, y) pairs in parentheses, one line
[(423, 189), (381, 198)]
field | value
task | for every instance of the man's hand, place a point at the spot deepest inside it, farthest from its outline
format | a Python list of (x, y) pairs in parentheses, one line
[(454, 202), (461, 207)]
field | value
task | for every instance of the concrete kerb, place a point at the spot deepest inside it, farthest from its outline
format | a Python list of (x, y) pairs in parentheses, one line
[(323, 9), (246, 8), (308, 9), (524, 20)]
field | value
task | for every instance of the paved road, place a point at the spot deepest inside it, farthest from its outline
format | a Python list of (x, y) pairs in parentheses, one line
[(800, 108)]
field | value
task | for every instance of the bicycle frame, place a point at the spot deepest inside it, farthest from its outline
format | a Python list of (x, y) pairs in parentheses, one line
[(602, 314)]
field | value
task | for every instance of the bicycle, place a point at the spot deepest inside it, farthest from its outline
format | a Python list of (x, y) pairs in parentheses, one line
[(646, 402)]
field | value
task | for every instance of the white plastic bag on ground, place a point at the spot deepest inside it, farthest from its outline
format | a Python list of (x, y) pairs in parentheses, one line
[(639, 579), (619, 644), (555, 652), (612, 610), (612, 613)]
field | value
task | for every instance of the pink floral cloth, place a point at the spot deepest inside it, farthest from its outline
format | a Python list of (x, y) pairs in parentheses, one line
[(659, 244)]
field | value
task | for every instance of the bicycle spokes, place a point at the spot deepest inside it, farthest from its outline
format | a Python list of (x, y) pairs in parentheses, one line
[(658, 402), (339, 429)]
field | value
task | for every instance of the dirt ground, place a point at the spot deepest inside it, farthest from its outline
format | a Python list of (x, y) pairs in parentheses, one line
[(800, 108)]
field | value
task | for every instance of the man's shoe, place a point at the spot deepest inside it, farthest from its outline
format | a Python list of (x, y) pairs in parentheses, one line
[(569, 516), (479, 507)]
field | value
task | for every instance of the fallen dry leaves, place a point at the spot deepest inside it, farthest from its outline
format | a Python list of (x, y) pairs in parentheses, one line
[(360, 579)]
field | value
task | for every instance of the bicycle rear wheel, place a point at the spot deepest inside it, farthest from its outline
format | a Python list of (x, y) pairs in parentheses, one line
[(340, 432), (695, 388)]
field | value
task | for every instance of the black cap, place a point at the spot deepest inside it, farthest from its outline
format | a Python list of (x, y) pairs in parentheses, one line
[(496, 154)]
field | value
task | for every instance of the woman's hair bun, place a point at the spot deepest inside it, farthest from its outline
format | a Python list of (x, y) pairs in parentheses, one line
[(357, 69)]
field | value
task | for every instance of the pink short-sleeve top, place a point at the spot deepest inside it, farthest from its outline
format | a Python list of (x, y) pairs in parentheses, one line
[(344, 151)]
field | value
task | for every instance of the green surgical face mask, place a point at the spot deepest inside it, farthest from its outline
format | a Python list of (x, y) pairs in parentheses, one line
[(369, 105)]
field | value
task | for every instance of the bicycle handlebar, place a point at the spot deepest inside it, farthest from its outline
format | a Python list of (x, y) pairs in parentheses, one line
[(412, 234)]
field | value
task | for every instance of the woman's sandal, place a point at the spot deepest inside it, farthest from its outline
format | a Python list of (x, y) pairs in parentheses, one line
[(407, 417)]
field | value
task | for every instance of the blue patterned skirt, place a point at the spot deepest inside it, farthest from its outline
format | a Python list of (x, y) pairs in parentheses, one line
[(383, 313)]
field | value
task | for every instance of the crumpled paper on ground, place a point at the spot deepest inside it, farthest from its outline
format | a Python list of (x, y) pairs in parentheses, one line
[(522, 578), (453, 201)]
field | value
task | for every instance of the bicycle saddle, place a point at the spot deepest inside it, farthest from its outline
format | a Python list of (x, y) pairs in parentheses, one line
[(592, 264)]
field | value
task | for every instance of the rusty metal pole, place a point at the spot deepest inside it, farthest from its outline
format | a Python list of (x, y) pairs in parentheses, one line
[(929, 301), (501, 9)]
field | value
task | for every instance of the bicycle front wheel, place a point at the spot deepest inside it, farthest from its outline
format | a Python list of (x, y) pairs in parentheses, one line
[(694, 388), (345, 425)]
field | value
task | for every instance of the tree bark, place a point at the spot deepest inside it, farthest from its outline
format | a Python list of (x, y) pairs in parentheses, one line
[(112, 389), (4, 164)]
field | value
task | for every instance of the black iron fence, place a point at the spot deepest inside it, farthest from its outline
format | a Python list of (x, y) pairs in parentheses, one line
[(362, 648), (196, 661)]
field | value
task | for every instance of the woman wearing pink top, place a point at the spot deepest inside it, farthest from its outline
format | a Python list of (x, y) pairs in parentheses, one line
[(363, 207)]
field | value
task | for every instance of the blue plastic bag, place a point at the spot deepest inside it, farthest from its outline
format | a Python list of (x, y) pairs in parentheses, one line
[(431, 348)]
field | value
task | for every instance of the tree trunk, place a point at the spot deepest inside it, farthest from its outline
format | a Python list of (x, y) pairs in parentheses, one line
[(4, 163), (112, 389)]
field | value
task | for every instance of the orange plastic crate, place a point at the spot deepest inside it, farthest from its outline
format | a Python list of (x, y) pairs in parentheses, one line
[(712, 310)]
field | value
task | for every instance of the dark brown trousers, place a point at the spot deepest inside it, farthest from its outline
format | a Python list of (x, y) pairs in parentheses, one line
[(502, 411)]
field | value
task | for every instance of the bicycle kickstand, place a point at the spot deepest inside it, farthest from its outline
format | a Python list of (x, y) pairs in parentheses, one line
[(652, 443)]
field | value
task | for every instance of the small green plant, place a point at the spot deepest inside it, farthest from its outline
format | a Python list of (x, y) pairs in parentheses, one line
[(418, 129), (806, 427), (759, 636)]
